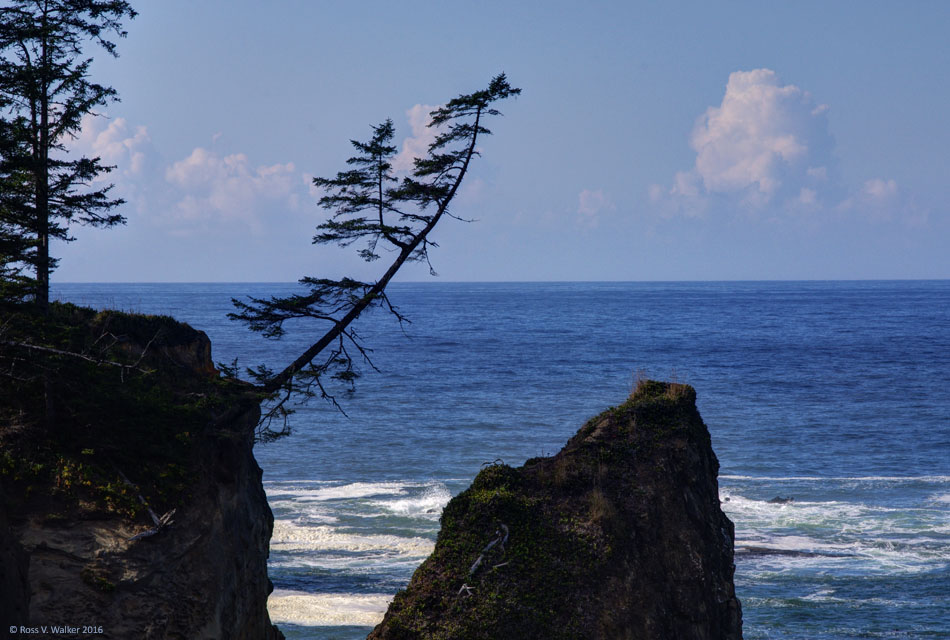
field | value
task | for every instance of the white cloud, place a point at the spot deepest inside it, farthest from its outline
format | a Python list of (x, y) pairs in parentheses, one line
[(114, 143), (765, 143), (417, 144), (213, 188), (880, 190), (128, 149), (762, 136), (878, 200), (686, 197), (767, 148), (205, 191)]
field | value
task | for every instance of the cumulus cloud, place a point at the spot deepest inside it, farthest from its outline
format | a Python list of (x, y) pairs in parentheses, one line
[(216, 188), (417, 144), (115, 142), (196, 193), (765, 143), (767, 146), (761, 136), (126, 148)]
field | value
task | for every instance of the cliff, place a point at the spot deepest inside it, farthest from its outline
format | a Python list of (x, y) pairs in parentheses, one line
[(620, 535), (105, 420)]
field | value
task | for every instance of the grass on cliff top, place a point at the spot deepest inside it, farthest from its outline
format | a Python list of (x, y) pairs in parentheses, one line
[(80, 404)]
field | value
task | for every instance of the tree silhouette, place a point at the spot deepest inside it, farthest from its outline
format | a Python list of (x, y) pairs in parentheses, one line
[(369, 203), (45, 90), (16, 245)]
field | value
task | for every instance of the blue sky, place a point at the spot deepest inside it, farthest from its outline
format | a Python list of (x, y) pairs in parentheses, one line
[(661, 141)]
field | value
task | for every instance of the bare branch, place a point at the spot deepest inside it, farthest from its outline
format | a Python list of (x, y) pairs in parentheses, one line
[(81, 356)]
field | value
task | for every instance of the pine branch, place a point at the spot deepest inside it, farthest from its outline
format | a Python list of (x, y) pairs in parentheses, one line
[(362, 198)]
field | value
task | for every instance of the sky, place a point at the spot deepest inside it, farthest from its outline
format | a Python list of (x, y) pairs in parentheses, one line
[(651, 141)]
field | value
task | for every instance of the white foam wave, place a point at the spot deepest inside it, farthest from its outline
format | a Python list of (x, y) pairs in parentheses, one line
[(843, 517), (796, 513), (368, 564), (313, 513), (337, 492), (822, 595), (799, 544), (839, 478), (828, 595), (291, 537), (334, 609), (843, 536), (427, 505)]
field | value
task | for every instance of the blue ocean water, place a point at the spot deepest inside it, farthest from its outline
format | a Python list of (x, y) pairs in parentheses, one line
[(836, 394)]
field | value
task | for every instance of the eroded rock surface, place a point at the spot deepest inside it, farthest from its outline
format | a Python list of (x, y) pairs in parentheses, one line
[(620, 535)]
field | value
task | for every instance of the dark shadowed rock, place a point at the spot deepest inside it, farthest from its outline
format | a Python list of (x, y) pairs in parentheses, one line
[(620, 535), (184, 437)]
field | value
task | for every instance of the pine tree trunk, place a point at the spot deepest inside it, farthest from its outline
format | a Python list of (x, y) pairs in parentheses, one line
[(41, 171)]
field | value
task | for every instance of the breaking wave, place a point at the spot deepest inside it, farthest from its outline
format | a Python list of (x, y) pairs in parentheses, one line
[(318, 610)]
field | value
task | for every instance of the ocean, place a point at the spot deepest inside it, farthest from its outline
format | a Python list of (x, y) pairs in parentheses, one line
[(833, 394)]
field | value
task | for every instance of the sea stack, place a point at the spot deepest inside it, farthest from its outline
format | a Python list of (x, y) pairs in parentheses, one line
[(619, 535)]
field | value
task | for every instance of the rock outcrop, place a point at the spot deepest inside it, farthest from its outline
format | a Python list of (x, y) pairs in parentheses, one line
[(70, 514), (620, 535)]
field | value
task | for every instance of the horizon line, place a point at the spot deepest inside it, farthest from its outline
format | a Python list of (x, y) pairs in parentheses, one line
[(684, 281)]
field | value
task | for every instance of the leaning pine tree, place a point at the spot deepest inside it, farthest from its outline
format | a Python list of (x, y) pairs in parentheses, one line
[(369, 203), (45, 91)]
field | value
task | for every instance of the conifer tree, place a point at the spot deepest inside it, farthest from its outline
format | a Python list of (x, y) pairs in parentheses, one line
[(45, 90), (16, 246), (370, 204)]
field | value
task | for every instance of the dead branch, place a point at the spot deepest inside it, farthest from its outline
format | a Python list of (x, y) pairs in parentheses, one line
[(501, 538), (161, 523), (123, 367)]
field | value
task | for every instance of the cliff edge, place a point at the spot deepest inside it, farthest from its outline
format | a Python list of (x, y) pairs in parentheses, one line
[(109, 422), (620, 535)]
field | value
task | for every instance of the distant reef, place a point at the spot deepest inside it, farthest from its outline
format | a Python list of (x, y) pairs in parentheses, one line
[(130, 501), (618, 536)]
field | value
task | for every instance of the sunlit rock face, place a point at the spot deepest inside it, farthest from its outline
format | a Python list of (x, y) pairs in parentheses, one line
[(619, 535)]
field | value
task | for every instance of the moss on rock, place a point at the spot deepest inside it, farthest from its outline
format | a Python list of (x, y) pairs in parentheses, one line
[(619, 535)]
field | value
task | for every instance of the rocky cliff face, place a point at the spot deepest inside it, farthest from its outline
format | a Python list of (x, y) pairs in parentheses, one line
[(165, 427), (620, 535)]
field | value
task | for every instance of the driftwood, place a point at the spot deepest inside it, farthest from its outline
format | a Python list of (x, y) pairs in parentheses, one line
[(501, 539), (161, 523)]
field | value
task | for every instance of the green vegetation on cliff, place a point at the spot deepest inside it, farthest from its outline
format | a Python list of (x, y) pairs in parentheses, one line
[(88, 397)]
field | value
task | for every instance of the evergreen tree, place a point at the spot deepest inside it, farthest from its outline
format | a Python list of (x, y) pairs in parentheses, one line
[(45, 90), (370, 204), (16, 247)]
